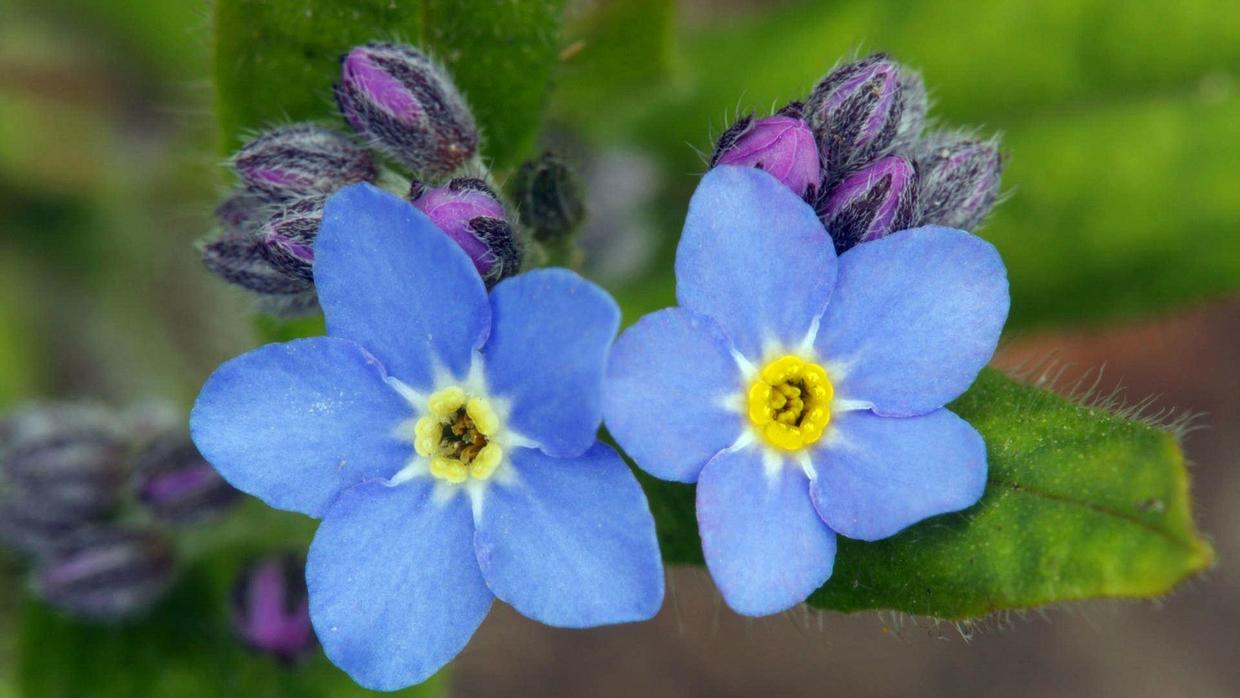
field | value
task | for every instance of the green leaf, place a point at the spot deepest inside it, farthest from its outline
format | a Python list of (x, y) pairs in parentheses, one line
[(1119, 167), (276, 60), (616, 53), (1080, 504)]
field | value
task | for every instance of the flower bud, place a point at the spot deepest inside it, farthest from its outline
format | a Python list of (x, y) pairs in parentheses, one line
[(959, 180), (36, 530), (549, 198), (78, 473), (175, 483), (270, 608), (107, 573), (876, 200), (301, 160), (243, 211), (239, 260), (407, 106), (470, 213), (861, 110), (781, 145), (287, 240)]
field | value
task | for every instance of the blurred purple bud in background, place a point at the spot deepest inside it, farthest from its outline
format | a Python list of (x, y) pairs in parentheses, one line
[(472, 215), (871, 202), (175, 483), (26, 525), (959, 180), (301, 160), (77, 473), (549, 198), (861, 110), (107, 573), (406, 106), (270, 608), (782, 145)]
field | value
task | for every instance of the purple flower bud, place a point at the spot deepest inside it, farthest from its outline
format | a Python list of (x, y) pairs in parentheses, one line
[(876, 200), (959, 180), (175, 483), (407, 106), (861, 110), (76, 473), (302, 160), (107, 573), (287, 240), (28, 526), (470, 213), (243, 211), (242, 261), (271, 612), (781, 145), (549, 198)]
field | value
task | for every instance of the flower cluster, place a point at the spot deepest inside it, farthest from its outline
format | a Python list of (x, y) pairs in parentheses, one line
[(445, 429), (855, 151), (73, 480), (404, 110)]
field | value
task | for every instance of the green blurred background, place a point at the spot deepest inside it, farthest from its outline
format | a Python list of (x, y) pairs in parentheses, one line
[(1121, 233)]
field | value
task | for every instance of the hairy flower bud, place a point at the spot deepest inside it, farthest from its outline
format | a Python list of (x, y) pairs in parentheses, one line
[(240, 261), (270, 608), (107, 573), (876, 200), (287, 240), (781, 145), (407, 106), (549, 198), (302, 160), (175, 483), (77, 473), (470, 213), (861, 110), (243, 211), (959, 180)]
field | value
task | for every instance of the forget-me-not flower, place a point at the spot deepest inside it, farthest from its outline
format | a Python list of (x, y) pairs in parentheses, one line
[(448, 441), (804, 393)]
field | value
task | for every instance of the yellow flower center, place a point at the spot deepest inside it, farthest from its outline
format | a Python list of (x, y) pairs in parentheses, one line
[(456, 435), (789, 402)]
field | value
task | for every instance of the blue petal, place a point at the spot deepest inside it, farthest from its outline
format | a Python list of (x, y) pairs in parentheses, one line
[(547, 352), (295, 423), (914, 317), (668, 380), (766, 547), (877, 475), (395, 590), (571, 543), (754, 257), (392, 281)]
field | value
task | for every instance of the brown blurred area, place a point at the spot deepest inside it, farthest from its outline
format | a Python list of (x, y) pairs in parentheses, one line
[(1187, 644)]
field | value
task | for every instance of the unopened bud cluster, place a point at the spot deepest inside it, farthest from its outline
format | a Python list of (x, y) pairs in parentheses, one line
[(403, 109), (855, 150), (77, 482)]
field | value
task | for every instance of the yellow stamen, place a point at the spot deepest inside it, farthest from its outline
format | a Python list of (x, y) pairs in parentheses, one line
[(455, 435), (789, 402)]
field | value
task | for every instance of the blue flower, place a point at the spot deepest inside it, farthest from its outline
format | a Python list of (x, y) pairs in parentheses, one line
[(804, 393), (446, 439)]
